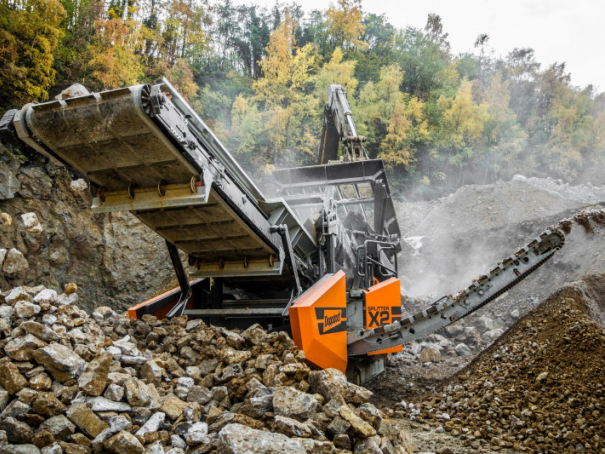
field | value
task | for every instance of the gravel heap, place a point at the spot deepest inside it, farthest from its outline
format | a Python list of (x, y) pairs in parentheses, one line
[(75, 383), (539, 388)]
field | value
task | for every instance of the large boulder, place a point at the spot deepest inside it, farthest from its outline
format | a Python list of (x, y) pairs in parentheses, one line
[(62, 362), (86, 419), (332, 383), (14, 263), (11, 378), (124, 443), (240, 439), (295, 404)]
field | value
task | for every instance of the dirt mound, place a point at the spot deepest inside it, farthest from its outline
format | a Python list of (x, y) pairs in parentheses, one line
[(540, 386)]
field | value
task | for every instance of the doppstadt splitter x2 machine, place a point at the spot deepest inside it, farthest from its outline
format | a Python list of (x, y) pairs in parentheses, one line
[(319, 259)]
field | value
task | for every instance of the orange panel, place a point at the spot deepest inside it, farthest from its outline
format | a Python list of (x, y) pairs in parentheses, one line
[(161, 312), (382, 307), (319, 322)]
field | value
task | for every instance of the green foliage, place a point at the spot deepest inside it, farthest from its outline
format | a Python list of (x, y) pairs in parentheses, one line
[(29, 34), (259, 77)]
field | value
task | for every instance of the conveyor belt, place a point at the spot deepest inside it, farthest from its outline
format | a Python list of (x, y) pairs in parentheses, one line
[(448, 309), (137, 145), (108, 138)]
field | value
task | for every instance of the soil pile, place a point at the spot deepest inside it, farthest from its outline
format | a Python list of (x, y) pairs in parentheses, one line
[(539, 388), (75, 383)]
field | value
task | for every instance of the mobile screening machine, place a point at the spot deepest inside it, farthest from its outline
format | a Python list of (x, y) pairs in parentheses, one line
[(319, 259)]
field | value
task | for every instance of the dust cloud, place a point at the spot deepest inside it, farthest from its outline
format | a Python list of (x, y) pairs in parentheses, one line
[(450, 241)]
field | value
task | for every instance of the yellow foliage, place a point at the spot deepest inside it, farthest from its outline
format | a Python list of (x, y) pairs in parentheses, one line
[(462, 123), (335, 72), (406, 128), (287, 70), (181, 77), (285, 95), (344, 23), (115, 63), (572, 134)]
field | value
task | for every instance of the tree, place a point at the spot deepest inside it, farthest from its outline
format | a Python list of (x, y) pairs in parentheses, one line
[(407, 128), (246, 127), (286, 68), (344, 25), (505, 140), (181, 77), (462, 123), (434, 31), (183, 35), (29, 35), (572, 133), (379, 36), (258, 76), (115, 61), (336, 71), (394, 121), (284, 98), (422, 60)]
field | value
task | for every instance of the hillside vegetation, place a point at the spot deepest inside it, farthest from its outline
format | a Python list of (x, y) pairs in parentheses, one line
[(259, 77)]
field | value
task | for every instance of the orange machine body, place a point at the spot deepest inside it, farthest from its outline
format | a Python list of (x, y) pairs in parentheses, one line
[(318, 320), (383, 306)]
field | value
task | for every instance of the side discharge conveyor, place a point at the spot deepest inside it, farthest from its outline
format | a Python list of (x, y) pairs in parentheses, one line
[(448, 309), (318, 258)]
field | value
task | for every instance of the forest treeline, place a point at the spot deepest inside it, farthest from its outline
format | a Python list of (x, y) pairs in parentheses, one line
[(259, 76)]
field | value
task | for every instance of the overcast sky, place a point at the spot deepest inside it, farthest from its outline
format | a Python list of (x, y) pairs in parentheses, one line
[(571, 31)]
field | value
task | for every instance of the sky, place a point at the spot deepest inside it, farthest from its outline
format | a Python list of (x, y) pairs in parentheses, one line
[(570, 31)]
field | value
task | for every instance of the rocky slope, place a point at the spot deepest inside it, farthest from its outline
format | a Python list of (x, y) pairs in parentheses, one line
[(77, 384), (50, 237)]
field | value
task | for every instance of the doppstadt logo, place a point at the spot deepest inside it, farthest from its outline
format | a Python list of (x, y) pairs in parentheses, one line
[(331, 319)]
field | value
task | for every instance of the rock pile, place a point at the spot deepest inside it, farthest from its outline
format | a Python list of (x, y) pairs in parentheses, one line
[(539, 388), (75, 383), (462, 339)]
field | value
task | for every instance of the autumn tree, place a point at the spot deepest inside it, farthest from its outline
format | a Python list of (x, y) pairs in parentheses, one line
[(344, 25), (336, 71), (394, 120), (407, 128), (115, 61), (183, 35), (283, 100), (460, 132), (572, 135), (505, 140), (287, 69), (258, 77)]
